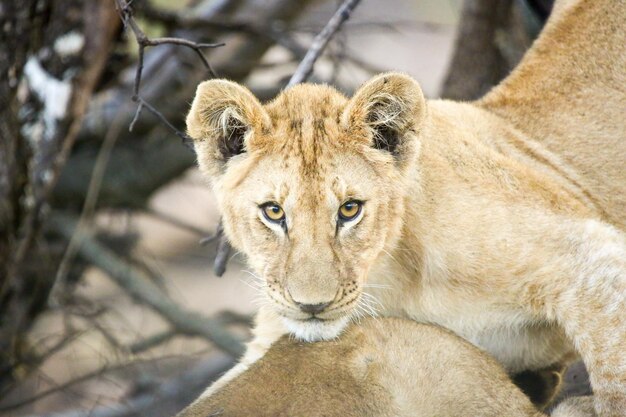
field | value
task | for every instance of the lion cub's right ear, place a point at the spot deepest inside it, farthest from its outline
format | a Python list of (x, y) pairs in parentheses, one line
[(223, 115)]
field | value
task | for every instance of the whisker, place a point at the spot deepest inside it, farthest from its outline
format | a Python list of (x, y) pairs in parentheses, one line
[(372, 299), (378, 286), (357, 314), (364, 307), (233, 255), (257, 286), (370, 304), (253, 275), (391, 256)]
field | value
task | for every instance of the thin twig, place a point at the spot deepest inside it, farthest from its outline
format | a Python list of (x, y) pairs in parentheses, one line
[(58, 294), (187, 141), (143, 41), (222, 255), (304, 70), (208, 239), (223, 249)]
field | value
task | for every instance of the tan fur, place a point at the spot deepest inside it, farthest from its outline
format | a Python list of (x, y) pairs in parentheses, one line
[(378, 368), (387, 367), (501, 220)]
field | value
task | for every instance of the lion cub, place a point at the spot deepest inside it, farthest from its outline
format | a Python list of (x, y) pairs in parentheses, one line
[(502, 220), (382, 367)]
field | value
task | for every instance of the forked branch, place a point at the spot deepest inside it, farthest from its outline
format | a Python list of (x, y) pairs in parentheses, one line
[(143, 41)]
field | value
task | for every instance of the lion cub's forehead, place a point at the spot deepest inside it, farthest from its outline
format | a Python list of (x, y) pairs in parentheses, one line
[(305, 126), (307, 102)]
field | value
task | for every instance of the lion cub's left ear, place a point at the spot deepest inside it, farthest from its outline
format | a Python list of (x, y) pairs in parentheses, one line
[(221, 120), (389, 109)]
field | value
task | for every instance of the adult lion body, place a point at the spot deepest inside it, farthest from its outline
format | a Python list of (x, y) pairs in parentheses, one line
[(378, 368), (501, 220)]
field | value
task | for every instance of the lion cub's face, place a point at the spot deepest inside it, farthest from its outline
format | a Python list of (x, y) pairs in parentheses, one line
[(311, 187)]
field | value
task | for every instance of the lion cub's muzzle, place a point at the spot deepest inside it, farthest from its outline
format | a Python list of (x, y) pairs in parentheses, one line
[(314, 320), (313, 309), (312, 300)]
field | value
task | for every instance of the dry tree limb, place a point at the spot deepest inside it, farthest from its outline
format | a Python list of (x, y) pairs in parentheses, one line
[(167, 77), (59, 291), (151, 341), (223, 247), (304, 70), (226, 317), (138, 285), (143, 41), (149, 149), (53, 149), (222, 252), (51, 56)]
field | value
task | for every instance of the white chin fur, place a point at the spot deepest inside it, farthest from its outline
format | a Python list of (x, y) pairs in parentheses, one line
[(313, 331)]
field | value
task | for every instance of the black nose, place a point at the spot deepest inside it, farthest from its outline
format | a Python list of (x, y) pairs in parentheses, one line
[(312, 308)]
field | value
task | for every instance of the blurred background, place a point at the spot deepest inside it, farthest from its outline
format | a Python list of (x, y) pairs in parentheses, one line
[(109, 304)]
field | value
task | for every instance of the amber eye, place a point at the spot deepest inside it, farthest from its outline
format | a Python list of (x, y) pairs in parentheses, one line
[(350, 210), (273, 212)]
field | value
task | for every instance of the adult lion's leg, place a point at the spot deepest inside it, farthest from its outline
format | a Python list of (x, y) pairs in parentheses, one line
[(541, 385), (582, 286)]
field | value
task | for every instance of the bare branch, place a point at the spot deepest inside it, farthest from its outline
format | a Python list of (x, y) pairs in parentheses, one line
[(225, 317), (151, 341), (304, 70), (59, 293), (187, 141), (221, 256), (143, 41), (138, 285)]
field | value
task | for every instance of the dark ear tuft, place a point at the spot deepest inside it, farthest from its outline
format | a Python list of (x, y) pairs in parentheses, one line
[(389, 109), (385, 136), (222, 117), (231, 142)]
